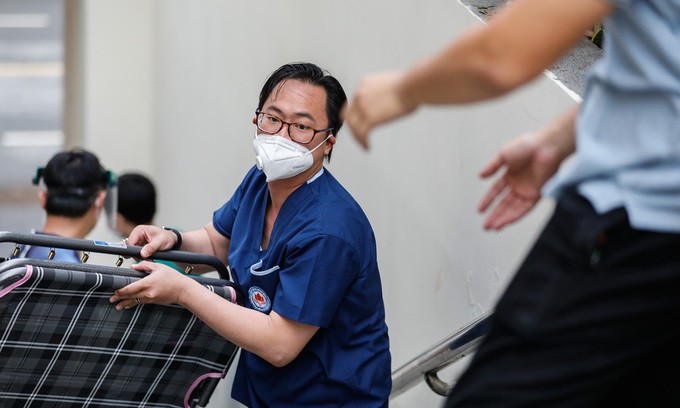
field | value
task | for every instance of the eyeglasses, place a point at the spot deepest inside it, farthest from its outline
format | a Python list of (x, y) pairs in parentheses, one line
[(298, 132)]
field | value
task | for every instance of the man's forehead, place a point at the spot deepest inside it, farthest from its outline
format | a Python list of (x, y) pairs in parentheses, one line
[(303, 95), (298, 99)]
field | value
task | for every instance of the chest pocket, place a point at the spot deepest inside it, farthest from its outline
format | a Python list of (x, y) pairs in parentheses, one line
[(262, 286), (255, 269)]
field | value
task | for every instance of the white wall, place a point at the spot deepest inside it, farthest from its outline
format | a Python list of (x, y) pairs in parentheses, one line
[(171, 89), (109, 88)]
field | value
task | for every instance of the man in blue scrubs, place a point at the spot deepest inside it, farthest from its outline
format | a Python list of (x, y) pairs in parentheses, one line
[(313, 331)]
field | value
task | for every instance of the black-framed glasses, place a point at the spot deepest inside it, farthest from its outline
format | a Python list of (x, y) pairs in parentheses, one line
[(298, 132)]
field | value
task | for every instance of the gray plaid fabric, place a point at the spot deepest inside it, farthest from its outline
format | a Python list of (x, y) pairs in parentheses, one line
[(62, 344)]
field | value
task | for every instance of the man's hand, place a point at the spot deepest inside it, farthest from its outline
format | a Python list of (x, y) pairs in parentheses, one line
[(162, 286), (152, 238), (528, 165), (376, 101)]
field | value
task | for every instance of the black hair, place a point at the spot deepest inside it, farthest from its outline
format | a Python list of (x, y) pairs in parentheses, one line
[(311, 74), (136, 198), (73, 180)]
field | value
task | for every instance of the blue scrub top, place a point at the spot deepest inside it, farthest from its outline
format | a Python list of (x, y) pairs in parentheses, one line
[(320, 269), (38, 252), (60, 254)]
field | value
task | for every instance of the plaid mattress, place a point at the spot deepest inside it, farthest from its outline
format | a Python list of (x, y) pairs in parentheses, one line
[(62, 344)]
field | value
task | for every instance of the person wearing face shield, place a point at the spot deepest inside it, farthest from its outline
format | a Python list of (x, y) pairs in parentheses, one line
[(312, 330), (75, 190)]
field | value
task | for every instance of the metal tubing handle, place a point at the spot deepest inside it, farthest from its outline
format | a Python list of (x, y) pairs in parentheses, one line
[(114, 248), (441, 355)]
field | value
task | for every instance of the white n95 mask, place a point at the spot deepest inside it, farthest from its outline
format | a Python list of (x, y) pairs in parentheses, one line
[(280, 158)]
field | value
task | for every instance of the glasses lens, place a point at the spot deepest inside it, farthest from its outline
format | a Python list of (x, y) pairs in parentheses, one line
[(300, 133), (268, 123)]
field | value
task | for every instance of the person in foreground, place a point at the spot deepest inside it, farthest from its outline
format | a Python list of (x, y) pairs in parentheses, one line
[(590, 318), (74, 194), (313, 330)]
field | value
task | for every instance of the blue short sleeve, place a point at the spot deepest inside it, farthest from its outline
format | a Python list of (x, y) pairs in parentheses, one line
[(60, 255), (225, 216), (317, 274)]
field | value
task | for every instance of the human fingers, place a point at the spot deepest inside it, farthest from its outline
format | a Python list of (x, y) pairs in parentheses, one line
[(499, 215), (496, 189), (357, 124), (127, 297), (133, 293), (376, 101), (163, 285), (138, 236), (145, 266), (155, 243), (361, 136), (128, 303), (510, 209), (492, 167), (146, 236)]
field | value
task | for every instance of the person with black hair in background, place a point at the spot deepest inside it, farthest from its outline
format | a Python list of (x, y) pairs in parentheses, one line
[(137, 206), (74, 194), (136, 202)]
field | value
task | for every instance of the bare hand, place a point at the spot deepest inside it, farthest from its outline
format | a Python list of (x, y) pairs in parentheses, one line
[(528, 165), (162, 286), (376, 101), (152, 238)]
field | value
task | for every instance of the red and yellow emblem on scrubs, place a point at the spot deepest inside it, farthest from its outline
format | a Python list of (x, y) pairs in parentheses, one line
[(259, 299)]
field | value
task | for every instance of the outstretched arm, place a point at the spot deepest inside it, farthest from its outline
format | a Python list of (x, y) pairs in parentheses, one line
[(528, 161), (519, 42)]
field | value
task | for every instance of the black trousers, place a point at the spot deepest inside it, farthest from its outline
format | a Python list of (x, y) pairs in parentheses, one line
[(592, 318)]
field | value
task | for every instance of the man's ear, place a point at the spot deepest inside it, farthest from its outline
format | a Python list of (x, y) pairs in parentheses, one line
[(255, 120), (329, 144), (42, 198), (99, 201)]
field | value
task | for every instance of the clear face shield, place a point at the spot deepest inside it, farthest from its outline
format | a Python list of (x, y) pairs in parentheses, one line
[(111, 200)]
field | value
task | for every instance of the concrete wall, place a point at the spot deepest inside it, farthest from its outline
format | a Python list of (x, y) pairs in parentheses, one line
[(170, 88)]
